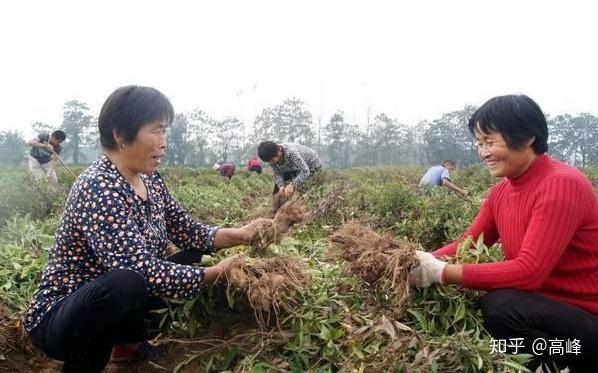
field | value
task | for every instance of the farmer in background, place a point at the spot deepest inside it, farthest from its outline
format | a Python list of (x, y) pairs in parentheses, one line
[(440, 176), (254, 165), (44, 155), (292, 164), (226, 170), (545, 214), (108, 267)]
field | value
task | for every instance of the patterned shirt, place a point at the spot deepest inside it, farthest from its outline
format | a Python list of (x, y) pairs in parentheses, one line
[(297, 158), (106, 226)]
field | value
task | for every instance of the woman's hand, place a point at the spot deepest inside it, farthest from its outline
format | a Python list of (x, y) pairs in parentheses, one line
[(429, 271), (249, 230), (229, 237), (289, 190), (220, 270)]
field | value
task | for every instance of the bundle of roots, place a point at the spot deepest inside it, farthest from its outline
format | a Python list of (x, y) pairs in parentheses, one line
[(267, 231), (13, 335), (278, 200), (377, 259), (270, 284)]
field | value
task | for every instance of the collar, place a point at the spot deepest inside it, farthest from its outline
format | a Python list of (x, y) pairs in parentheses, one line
[(535, 169)]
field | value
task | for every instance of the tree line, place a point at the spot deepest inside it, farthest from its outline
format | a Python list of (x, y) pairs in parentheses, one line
[(196, 138)]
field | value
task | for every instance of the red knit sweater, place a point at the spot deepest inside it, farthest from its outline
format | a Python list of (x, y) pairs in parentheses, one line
[(547, 222)]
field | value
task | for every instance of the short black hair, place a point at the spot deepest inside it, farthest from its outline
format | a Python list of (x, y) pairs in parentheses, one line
[(449, 161), (266, 150), (59, 135), (127, 109), (517, 118)]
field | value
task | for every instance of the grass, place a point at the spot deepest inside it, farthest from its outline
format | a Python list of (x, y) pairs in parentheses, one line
[(337, 323)]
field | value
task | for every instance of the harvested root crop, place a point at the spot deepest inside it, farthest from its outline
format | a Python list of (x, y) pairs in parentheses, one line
[(270, 284), (377, 259), (278, 200), (268, 231), (290, 213), (5, 332), (13, 335)]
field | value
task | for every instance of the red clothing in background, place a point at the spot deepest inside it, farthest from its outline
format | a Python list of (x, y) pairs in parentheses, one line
[(253, 164), (227, 170)]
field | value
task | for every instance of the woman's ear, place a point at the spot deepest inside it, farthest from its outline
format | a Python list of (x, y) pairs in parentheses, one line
[(118, 138), (531, 141)]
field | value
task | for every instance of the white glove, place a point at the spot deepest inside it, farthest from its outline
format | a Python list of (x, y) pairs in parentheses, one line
[(429, 270)]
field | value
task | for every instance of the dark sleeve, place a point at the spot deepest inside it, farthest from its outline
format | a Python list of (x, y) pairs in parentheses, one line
[(116, 240)]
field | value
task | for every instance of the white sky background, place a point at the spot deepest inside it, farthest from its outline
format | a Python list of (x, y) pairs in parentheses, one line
[(412, 60)]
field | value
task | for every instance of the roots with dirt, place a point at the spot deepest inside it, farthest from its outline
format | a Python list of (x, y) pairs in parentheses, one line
[(13, 335), (270, 284), (278, 200), (378, 260), (267, 231)]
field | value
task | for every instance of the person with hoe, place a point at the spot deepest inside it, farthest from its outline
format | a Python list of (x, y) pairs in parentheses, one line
[(44, 153)]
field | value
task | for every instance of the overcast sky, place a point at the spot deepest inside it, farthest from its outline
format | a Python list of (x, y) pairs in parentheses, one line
[(412, 60)]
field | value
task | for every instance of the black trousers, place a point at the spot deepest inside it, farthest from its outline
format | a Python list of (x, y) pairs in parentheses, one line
[(114, 308), (512, 314)]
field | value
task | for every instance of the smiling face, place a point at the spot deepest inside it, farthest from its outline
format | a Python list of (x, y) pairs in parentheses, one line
[(144, 154), (501, 160)]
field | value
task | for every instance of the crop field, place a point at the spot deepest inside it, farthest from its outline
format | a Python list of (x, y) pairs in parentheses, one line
[(337, 296)]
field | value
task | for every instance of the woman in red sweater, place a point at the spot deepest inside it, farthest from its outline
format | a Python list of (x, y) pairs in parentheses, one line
[(545, 214)]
